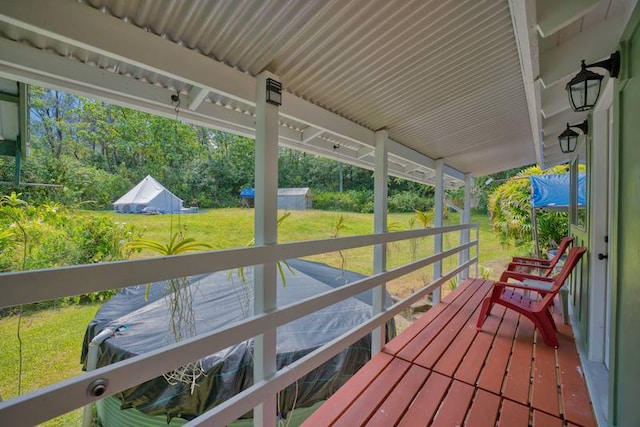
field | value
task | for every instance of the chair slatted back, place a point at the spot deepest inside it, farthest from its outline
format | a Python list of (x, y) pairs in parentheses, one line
[(564, 244), (558, 280)]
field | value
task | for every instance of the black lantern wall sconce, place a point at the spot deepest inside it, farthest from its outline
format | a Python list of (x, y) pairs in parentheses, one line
[(584, 87), (274, 92), (569, 138)]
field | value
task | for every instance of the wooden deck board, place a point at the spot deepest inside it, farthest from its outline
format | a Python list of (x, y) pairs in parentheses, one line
[(457, 335), (374, 394), (426, 402), (342, 398), (399, 342), (572, 382), (517, 381), (475, 357), (392, 409), (503, 375), (417, 345), (492, 375), (513, 414), (453, 409), (484, 410), (544, 393), (541, 419)]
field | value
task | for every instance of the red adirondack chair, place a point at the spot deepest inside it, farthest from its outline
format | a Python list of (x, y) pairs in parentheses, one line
[(545, 266), (512, 295)]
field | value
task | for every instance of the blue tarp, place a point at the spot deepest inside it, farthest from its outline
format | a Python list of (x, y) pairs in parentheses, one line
[(553, 190), (248, 192)]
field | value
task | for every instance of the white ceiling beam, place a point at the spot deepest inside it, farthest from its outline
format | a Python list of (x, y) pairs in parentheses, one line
[(592, 44), (411, 168), (298, 109), (554, 100), (419, 159), (405, 152), (553, 15), (523, 17), (365, 151), (554, 125), (89, 29), (196, 96), (34, 66), (310, 133)]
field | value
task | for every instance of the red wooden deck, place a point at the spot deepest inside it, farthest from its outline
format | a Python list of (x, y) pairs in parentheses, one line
[(442, 372)]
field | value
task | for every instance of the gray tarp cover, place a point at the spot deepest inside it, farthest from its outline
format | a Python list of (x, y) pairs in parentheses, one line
[(219, 302)]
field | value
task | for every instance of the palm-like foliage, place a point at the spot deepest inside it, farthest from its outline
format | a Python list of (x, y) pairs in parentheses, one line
[(240, 270), (177, 245), (180, 296), (425, 218), (510, 208), (182, 317)]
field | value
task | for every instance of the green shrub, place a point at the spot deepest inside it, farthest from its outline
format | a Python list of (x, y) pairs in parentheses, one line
[(50, 235), (408, 201), (348, 201)]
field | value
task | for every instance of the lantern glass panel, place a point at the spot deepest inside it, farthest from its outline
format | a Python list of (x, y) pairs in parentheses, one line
[(584, 94)]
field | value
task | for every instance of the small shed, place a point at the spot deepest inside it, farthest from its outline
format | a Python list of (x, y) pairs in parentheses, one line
[(294, 199)]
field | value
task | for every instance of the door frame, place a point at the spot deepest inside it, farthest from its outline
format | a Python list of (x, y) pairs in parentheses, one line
[(600, 217)]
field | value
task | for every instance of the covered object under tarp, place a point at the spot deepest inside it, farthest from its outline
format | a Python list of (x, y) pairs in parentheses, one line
[(552, 191), (220, 301), (148, 196)]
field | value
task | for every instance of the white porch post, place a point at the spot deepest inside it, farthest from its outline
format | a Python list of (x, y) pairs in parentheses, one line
[(465, 218), (379, 226), (266, 213), (439, 211)]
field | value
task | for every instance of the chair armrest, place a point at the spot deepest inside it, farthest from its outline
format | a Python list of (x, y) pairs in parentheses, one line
[(512, 265), (519, 286), (506, 275), (531, 260)]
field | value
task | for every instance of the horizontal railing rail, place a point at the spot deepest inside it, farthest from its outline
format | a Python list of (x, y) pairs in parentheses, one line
[(42, 285), (70, 394)]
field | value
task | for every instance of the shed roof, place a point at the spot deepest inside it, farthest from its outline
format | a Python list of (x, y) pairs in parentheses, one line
[(294, 191)]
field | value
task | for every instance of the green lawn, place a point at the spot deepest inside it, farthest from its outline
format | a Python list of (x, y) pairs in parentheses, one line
[(52, 339), (51, 345)]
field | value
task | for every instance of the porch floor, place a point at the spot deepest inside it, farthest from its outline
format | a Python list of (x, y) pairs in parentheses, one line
[(442, 372)]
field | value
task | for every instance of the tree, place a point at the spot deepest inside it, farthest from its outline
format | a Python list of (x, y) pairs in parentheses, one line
[(53, 118)]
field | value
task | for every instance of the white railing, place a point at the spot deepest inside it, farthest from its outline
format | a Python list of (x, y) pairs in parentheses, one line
[(38, 285)]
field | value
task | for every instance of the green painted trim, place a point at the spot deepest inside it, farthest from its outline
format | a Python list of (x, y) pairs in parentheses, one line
[(9, 97), (23, 118), (8, 148), (18, 155)]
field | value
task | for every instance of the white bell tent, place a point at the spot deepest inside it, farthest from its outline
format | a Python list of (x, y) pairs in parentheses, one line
[(148, 196)]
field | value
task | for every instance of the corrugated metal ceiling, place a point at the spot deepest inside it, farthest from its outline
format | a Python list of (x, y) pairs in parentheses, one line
[(442, 76)]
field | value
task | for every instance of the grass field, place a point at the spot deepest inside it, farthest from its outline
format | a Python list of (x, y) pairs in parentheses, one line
[(233, 228), (52, 339)]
